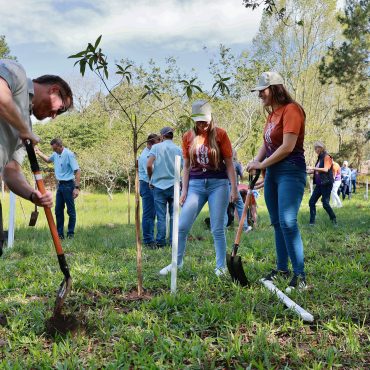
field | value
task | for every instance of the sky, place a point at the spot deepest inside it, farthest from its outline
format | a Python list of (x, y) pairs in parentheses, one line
[(43, 33)]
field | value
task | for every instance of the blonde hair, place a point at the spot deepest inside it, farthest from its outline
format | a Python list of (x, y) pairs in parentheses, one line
[(213, 146)]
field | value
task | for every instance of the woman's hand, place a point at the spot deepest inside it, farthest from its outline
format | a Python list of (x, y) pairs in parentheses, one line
[(234, 195), (183, 198), (254, 165)]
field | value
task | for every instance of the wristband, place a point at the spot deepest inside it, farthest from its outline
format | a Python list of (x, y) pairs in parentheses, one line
[(30, 198), (77, 187)]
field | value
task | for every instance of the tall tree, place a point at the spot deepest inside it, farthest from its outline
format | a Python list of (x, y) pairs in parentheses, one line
[(4, 49), (347, 65), (295, 48)]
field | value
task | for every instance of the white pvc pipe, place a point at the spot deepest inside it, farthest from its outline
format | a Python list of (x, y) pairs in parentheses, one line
[(11, 219), (175, 228), (306, 316)]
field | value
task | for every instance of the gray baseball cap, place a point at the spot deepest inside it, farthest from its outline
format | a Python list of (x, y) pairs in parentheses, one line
[(267, 79), (166, 130)]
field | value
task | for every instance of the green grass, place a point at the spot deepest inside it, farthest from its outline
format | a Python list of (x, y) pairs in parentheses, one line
[(210, 323)]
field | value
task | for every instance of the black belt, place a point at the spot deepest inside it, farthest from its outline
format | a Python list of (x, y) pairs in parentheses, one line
[(65, 181)]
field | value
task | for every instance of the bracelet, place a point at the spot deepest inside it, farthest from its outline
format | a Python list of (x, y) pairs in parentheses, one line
[(77, 187), (30, 198)]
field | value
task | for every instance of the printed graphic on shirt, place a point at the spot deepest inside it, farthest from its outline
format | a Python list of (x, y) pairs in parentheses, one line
[(269, 129), (202, 154)]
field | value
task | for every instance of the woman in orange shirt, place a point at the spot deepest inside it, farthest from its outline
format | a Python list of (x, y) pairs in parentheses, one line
[(323, 179), (208, 169), (282, 155)]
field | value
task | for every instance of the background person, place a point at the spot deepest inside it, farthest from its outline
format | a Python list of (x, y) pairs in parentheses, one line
[(45, 96), (353, 179), (323, 179), (346, 180), (146, 194), (337, 181), (282, 155), (68, 175), (208, 169), (161, 177)]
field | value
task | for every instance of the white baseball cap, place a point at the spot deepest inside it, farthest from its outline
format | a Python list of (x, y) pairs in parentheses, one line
[(267, 79), (202, 111)]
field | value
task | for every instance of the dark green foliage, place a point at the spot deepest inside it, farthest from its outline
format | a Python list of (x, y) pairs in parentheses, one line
[(347, 65)]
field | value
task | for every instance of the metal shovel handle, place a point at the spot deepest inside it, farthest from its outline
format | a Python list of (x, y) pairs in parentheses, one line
[(49, 216)]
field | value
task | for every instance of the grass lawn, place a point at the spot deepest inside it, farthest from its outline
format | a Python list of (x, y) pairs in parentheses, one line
[(211, 323)]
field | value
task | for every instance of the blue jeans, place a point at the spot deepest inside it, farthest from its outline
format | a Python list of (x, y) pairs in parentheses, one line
[(324, 192), (217, 193), (162, 197), (284, 188), (148, 217), (64, 198)]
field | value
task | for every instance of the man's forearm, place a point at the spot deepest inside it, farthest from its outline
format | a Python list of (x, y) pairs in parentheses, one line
[(15, 180), (44, 157), (8, 109), (77, 177)]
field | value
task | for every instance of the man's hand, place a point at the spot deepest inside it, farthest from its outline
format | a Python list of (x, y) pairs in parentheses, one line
[(28, 134), (42, 200), (75, 193)]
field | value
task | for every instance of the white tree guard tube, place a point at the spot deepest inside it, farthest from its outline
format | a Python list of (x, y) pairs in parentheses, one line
[(11, 219), (306, 316), (175, 228)]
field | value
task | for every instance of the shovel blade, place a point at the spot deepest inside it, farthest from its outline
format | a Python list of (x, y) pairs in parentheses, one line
[(64, 289), (235, 267), (239, 273), (33, 218)]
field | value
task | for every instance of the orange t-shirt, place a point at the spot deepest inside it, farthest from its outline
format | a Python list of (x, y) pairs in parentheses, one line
[(336, 171), (287, 119), (203, 166)]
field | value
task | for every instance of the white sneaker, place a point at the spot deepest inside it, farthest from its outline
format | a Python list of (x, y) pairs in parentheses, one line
[(166, 270), (248, 229), (220, 272)]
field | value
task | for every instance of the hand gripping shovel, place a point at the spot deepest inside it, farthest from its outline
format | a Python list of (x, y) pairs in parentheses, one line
[(234, 262), (34, 216), (66, 284)]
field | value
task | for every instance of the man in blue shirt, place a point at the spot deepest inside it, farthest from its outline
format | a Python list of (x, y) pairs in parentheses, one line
[(68, 174), (146, 193), (161, 178)]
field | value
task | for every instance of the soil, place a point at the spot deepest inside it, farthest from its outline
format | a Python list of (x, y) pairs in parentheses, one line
[(3, 320), (133, 296), (63, 324)]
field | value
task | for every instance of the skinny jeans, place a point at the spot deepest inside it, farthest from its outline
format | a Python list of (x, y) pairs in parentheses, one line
[(284, 188), (217, 193)]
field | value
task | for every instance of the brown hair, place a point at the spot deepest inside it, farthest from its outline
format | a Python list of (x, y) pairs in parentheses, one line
[(56, 141), (281, 96), (56, 80), (213, 146)]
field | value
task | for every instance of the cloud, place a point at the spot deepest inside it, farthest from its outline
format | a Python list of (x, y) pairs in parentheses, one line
[(183, 24)]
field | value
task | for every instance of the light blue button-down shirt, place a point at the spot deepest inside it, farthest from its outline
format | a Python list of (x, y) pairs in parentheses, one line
[(64, 165), (164, 165), (143, 159)]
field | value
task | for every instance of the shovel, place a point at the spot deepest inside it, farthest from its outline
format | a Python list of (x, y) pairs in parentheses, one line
[(65, 286), (34, 216), (234, 262)]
